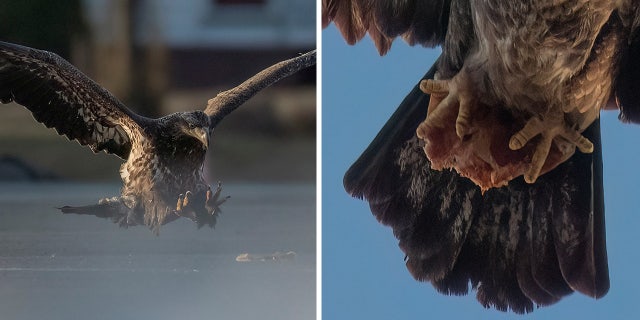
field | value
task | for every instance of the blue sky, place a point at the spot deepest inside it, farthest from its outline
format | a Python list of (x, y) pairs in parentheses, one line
[(364, 276)]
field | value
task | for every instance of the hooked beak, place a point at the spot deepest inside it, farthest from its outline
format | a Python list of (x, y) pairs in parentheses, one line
[(201, 134)]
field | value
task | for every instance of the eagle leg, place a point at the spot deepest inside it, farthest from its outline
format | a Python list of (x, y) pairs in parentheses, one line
[(121, 210), (548, 127)]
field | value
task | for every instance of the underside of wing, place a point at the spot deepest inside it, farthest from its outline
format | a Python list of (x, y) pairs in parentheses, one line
[(417, 21), (628, 81), (61, 97), (518, 246)]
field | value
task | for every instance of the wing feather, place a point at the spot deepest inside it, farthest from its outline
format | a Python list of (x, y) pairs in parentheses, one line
[(511, 244), (417, 21), (627, 88), (61, 97)]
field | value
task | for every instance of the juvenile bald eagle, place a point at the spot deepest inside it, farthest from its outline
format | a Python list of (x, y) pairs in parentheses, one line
[(163, 172), (517, 88)]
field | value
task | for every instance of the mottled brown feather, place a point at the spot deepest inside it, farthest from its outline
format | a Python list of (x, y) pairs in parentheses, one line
[(418, 22), (504, 243), (61, 97)]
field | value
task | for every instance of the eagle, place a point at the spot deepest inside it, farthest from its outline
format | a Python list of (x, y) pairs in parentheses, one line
[(517, 89), (162, 174)]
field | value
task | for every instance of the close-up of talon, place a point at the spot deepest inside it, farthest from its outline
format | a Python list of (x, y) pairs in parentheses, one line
[(447, 97), (187, 197), (532, 128), (439, 102), (538, 159), (180, 204), (576, 138), (432, 87), (216, 196), (548, 129), (213, 201)]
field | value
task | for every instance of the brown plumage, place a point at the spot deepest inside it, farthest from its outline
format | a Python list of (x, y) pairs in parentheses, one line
[(519, 86), (162, 174), (163, 156)]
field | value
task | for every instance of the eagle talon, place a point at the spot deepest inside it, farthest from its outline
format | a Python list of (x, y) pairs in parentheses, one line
[(179, 204), (187, 197), (432, 86), (538, 159), (183, 202), (445, 96), (548, 128), (183, 208), (213, 201), (532, 128)]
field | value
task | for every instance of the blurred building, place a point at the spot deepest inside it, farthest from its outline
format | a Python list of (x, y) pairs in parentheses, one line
[(162, 56), (177, 45)]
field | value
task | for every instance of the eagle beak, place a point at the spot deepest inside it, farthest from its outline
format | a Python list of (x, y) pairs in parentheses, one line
[(201, 134)]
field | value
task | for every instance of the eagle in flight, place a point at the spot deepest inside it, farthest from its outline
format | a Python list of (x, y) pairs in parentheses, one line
[(164, 158), (517, 89)]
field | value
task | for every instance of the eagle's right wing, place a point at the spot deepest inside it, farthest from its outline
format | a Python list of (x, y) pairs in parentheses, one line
[(61, 97)]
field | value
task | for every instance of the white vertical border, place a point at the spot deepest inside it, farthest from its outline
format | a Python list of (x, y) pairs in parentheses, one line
[(319, 160)]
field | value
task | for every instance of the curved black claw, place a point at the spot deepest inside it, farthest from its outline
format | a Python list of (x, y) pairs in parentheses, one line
[(200, 207), (213, 200), (184, 207)]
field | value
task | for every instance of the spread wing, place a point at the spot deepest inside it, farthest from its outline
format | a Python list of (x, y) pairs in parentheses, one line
[(519, 245), (227, 101), (417, 21), (61, 97), (628, 80)]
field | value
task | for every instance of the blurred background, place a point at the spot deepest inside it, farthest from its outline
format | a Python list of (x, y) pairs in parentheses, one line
[(164, 56)]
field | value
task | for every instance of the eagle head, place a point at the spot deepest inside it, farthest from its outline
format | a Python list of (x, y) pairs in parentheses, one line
[(195, 124)]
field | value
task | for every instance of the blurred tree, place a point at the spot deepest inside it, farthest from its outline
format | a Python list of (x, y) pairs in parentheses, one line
[(149, 77), (45, 24)]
